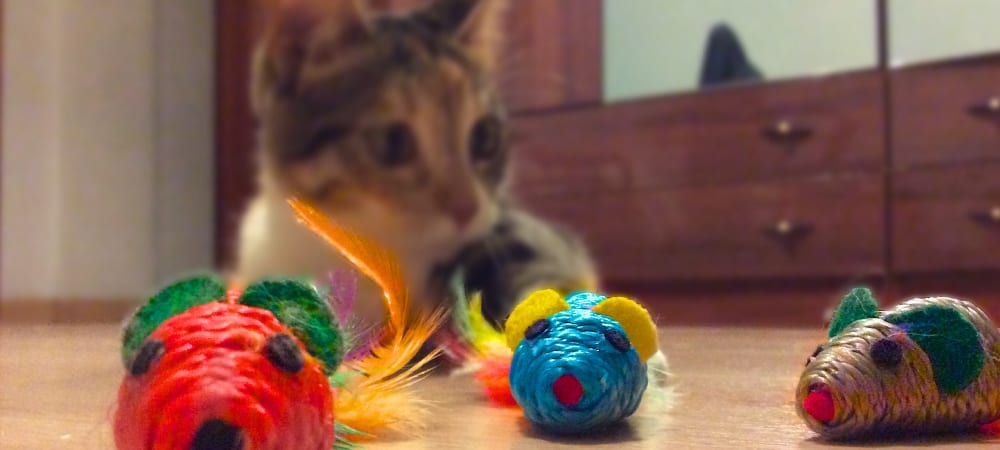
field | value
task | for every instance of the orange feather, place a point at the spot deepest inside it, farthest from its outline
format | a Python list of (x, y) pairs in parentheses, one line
[(378, 395)]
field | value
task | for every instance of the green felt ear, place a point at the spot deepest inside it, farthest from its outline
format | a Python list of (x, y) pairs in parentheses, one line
[(951, 342), (171, 301), (300, 307), (857, 305)]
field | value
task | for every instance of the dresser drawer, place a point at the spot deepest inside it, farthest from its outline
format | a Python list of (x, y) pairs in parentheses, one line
[(821, 226), (947, 113), (734, 134), (947, 219)]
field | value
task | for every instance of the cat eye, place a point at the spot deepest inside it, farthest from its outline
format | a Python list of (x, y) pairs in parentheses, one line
[(394, 145), (323, 138), (886, 353), (486, 140), (618, 340)]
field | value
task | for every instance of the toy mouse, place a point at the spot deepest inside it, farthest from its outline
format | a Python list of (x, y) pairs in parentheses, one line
[(263, 368), (579, 361), (927, 365), (211, 371)]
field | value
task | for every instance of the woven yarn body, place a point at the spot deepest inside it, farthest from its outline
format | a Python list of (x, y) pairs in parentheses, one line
[(576, 344), (868, 398), (213, 377)]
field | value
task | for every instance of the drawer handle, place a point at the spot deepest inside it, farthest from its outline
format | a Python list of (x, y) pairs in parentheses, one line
[(990, 217), (789, 233), (787, 132), (989, 109)]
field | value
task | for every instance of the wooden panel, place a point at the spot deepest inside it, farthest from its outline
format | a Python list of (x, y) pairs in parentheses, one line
[(711, 137), (947, 219), (931, 113), (553, 58), (731, 231), (237, 24)]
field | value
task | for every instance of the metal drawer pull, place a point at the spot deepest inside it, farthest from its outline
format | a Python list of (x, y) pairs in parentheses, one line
[(786, 132), (989, 110), (789, 233), (990, 217)]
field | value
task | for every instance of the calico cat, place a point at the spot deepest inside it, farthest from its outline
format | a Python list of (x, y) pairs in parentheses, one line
[(391, 125)]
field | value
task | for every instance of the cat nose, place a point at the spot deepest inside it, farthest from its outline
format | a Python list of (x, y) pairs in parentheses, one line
[(464, 213), (461, 207)]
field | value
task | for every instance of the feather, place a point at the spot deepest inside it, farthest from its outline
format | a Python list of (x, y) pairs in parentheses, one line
[(660, 393), (490, 358), (370, 259), (376, 394), (360, 338), (343, 291)]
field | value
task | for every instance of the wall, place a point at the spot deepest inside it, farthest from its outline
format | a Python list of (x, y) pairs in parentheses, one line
[(657, 46), (107, 146), (930, 30)]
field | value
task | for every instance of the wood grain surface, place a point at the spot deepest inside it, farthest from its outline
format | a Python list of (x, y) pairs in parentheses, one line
[(947, 218), (827, 225), (733, 391), (932, 110)]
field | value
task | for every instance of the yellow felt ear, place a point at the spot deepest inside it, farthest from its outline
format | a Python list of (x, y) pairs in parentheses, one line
[(636, 322), (538, 305)]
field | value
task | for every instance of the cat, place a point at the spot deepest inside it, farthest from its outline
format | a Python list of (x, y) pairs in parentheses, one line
[(393, 126)]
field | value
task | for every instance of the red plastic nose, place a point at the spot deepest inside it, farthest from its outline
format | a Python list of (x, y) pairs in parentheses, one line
[(819, 404), (567, 390)]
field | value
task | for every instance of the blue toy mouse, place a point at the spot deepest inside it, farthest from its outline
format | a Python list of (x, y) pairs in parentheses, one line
[(579, 361)]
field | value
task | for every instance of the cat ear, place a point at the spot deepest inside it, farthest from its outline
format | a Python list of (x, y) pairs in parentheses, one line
[(857, 305), (304, 32), (476, 24)]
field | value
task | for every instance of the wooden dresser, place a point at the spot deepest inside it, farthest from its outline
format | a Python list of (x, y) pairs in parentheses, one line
[(946, 167), (776, 180)]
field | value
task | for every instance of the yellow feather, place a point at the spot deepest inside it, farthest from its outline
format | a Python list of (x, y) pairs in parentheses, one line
[(380, 398), (485, 338)]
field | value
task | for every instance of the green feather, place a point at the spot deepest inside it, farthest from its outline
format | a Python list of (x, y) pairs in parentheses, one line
[(857, 305), (301, 308), (171, 301), (342, 441), (950, 340), (460, 305)]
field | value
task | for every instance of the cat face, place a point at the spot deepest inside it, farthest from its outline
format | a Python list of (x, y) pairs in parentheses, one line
[(393, 118)]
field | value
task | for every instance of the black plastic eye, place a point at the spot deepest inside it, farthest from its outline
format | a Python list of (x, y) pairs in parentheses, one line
[(887, 353), (618, 341), (486, 141), (536, 329), (394, 146), (148, 354), (284, 353), (819, 349)]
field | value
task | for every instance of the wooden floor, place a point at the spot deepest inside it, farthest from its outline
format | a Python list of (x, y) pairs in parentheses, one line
[(734, 390)]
